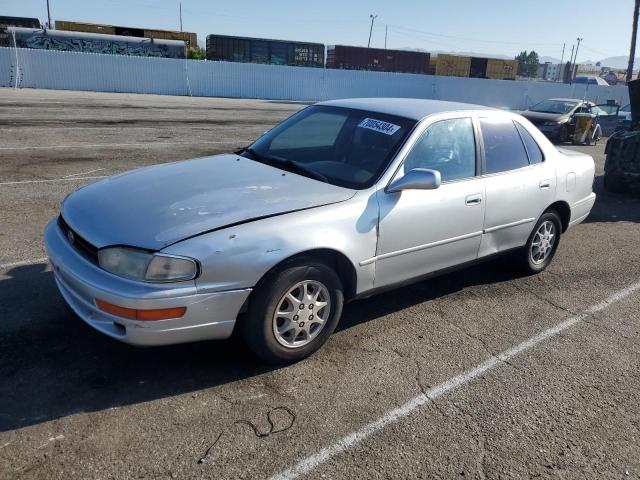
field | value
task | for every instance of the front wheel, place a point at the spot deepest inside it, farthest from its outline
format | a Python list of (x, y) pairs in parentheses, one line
[(293, 312), (542, 243)]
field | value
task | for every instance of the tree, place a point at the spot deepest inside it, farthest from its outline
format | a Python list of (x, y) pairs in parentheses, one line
[(528, 63), (195, 53)]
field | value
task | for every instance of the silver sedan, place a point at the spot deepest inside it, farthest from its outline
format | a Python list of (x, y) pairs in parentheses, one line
[(343, 199)]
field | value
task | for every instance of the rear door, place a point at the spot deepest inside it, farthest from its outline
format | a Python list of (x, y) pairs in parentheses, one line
[(520, 185)]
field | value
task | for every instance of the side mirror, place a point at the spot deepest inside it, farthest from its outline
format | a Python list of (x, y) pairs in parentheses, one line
[(416, 179)]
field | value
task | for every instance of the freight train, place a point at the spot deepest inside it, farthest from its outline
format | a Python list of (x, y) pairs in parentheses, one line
[(110, 39), (92, 43), (261, 50), (377, 59), (190, 37)]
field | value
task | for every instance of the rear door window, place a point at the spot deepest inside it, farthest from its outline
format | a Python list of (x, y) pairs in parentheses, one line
[(503, 147), (533, 150)]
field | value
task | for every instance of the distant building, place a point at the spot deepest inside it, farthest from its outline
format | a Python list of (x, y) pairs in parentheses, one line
[(590, 68), (552, 71)]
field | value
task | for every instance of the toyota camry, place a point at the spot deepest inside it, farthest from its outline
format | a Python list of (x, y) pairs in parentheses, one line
[(342, 200)]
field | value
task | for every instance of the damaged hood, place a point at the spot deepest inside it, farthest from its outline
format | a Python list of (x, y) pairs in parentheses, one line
[(156, 206)]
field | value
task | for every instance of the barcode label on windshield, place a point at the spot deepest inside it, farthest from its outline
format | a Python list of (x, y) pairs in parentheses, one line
[(379, 126)]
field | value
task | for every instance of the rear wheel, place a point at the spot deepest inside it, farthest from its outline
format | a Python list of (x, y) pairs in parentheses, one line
[(293, 312), (542, 243)]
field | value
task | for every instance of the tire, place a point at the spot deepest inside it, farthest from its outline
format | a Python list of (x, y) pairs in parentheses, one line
[(563, 134), (614, 183), (274, 338), (530, 262)]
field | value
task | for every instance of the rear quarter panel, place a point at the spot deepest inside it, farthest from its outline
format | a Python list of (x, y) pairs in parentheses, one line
[(576, 174)]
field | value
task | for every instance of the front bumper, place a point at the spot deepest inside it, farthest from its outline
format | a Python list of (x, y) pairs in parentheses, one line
[(208, 315), (551, 131)]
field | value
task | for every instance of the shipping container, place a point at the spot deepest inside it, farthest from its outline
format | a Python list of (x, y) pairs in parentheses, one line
[(190, 38), (377, 59), (24, 22), (478, 67), (95, 43), (262, 50), (502, 69), (452, 65)]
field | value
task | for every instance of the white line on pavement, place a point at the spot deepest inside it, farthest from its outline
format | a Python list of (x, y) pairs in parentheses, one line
[(308, 464), (116, 145), (23, 263), (63, 179), (84, 173)]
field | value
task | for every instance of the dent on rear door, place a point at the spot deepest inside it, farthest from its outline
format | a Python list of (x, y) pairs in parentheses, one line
[(515, 201)]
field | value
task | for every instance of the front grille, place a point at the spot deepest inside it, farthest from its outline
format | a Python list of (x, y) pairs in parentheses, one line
[(88, 250)]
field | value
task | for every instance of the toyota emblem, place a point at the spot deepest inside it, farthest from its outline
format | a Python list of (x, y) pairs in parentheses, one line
[(71, 237)]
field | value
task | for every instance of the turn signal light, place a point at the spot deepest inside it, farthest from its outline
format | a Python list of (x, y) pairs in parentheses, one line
[(134, 314)]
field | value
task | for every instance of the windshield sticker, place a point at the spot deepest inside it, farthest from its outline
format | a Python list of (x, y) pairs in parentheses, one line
[(379, 126)]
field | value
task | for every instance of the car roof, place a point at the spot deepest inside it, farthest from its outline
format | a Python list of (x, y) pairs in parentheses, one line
[(576, 100), (414, 108)]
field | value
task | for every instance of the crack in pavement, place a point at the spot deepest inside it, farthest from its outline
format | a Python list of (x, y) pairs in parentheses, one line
[(544, 299)]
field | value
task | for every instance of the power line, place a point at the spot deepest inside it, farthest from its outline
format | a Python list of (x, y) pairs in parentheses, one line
[(455, 37), (456, 46), (240, 17)]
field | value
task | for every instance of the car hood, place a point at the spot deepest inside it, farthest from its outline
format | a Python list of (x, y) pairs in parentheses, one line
[(156, 206), (540, 117)]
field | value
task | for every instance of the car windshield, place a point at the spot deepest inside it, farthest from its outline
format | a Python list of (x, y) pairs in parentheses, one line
[(553, 106), (342, 146)]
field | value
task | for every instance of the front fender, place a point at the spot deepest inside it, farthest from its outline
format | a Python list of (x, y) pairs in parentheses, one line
[(237, 257)]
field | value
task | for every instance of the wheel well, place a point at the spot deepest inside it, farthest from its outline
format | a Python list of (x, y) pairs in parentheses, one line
[(563, 210), (334, 259)]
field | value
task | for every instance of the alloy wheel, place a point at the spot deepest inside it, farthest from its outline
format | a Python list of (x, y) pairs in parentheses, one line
[(301, 314), (543, 242)]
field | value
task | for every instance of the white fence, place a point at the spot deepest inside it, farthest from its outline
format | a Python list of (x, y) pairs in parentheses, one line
[(26, 68)]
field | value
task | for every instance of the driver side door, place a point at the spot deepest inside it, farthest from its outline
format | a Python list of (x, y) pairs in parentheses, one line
[(422, 231)]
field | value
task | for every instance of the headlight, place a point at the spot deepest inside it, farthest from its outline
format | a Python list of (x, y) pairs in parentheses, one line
[(146, 266)]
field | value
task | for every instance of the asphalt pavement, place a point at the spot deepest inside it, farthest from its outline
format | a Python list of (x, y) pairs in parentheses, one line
[(482, 373)]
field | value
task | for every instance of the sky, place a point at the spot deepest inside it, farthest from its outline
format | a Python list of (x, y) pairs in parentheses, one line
[(503, 27)]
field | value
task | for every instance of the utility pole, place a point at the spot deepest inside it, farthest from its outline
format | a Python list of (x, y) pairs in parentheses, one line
[(564, 68), (49, 14), (180, 17), (561, 62), (634, 32), (386, 30), (575, 59), (373, 18)]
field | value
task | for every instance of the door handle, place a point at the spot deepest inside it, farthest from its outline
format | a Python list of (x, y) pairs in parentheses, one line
[(544, 184), (473, 200)]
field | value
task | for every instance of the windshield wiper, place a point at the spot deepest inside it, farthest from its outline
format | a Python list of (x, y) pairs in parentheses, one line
[(283, 162), (298, 167), (256, 156)]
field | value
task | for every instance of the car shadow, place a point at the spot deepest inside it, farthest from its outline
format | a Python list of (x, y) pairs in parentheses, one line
[(53, 365), (614, 207)]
